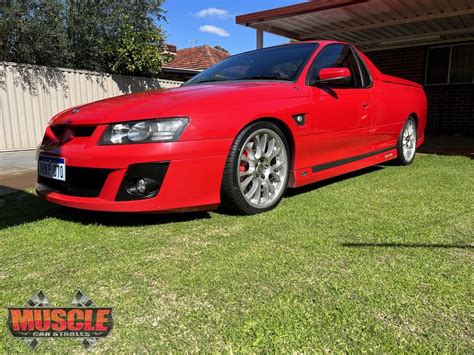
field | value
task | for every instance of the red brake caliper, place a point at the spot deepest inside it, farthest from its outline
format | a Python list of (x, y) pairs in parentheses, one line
[(243, 164)]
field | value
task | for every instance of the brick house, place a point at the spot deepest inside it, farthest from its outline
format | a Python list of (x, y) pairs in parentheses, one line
[(190, 61), (450, 106), (427, 41)]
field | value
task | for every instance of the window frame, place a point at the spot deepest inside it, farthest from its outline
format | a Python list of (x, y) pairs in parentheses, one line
[(361, 62), (450, 46), (358, 60)]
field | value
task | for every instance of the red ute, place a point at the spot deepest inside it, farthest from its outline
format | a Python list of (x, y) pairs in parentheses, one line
[(238, 133)]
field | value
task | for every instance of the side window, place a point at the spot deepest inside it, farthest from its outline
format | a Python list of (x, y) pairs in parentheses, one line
[(338, 56)]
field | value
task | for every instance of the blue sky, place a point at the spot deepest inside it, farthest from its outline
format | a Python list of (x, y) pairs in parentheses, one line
[(198, 22)]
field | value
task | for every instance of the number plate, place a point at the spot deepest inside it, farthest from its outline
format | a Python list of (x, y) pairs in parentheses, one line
[(53, 168)]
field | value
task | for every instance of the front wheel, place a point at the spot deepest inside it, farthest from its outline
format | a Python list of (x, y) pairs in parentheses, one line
[(406, 145), (257, 169)]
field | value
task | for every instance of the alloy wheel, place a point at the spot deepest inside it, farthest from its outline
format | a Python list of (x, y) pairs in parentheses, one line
[(409, 141), (263, 168)]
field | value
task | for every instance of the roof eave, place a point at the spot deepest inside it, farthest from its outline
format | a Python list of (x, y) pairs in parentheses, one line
[(255, 18)]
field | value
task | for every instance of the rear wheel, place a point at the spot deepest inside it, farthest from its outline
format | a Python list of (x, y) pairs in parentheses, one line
[(257, 169), (406, 145)]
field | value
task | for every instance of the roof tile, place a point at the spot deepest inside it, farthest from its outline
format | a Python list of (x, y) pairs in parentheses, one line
[(197, 58)]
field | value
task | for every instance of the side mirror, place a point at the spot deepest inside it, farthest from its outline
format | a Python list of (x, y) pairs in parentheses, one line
[(333, 76)]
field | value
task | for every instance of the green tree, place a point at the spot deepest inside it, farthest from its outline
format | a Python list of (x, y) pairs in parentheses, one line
[(103, 35), (33, 32), (88, 34), (98, 31), (221, 48), (136, 52)]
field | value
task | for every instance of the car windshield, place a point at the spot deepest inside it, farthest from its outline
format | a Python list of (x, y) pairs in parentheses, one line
[(274, 63)]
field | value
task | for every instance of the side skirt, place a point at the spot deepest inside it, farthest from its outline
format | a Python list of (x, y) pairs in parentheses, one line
[(338, 167), (334, 164)]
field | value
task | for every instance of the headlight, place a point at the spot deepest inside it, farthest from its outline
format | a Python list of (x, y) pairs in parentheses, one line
[(158, 130)]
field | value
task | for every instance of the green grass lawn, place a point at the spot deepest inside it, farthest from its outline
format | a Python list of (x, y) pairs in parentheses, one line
[(381, 260)]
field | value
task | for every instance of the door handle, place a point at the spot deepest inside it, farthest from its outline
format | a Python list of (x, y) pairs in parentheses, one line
[(365, 105)]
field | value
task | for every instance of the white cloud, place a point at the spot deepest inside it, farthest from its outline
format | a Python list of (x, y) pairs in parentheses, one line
[(213, 12), (214, 30)]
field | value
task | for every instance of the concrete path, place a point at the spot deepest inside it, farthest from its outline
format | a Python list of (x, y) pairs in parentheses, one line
[(17, 180), (17, 171), (24, 159)]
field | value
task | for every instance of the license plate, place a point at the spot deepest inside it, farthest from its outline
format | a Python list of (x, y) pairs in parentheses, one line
[(51, 167)]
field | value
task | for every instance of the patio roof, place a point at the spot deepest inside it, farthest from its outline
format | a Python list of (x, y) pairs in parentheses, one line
[(370, 24)]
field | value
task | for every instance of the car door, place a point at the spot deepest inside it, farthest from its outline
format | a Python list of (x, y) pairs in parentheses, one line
[(342, 113)]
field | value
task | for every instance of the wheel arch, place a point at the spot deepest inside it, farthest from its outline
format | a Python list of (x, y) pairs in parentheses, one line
[(414, 115), (284, 128)]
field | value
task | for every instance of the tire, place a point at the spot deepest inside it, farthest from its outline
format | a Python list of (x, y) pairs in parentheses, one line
[(406, 144), (257, 170)]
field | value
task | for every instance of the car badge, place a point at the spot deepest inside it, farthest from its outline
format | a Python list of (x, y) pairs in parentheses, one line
[(75, 110)]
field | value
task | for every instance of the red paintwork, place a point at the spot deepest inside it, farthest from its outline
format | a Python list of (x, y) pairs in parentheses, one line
[(333, 73), (355, 122)]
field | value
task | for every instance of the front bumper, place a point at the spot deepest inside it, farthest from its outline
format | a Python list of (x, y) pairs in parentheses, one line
[(191, 181)]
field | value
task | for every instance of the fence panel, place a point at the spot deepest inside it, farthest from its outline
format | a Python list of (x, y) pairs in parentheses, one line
[(30, 95)]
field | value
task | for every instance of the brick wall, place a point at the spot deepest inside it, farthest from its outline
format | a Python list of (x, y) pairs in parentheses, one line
[(450, 107)]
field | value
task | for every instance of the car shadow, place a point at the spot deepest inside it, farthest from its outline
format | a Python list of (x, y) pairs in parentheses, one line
[(408, 245), (307, 188), (19, 207)]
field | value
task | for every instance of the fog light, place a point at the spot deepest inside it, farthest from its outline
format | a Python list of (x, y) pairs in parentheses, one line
[(142, 181), (141, 186)]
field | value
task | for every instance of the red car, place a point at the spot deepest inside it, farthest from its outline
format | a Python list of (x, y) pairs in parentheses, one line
[(237, 134)]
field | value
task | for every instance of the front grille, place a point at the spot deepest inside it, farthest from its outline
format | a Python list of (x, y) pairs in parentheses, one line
[(82, 131), (58, 131), (76, 131), (84, 182)]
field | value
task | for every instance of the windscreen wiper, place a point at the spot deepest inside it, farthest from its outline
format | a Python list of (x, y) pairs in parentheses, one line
[(210, 81)]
